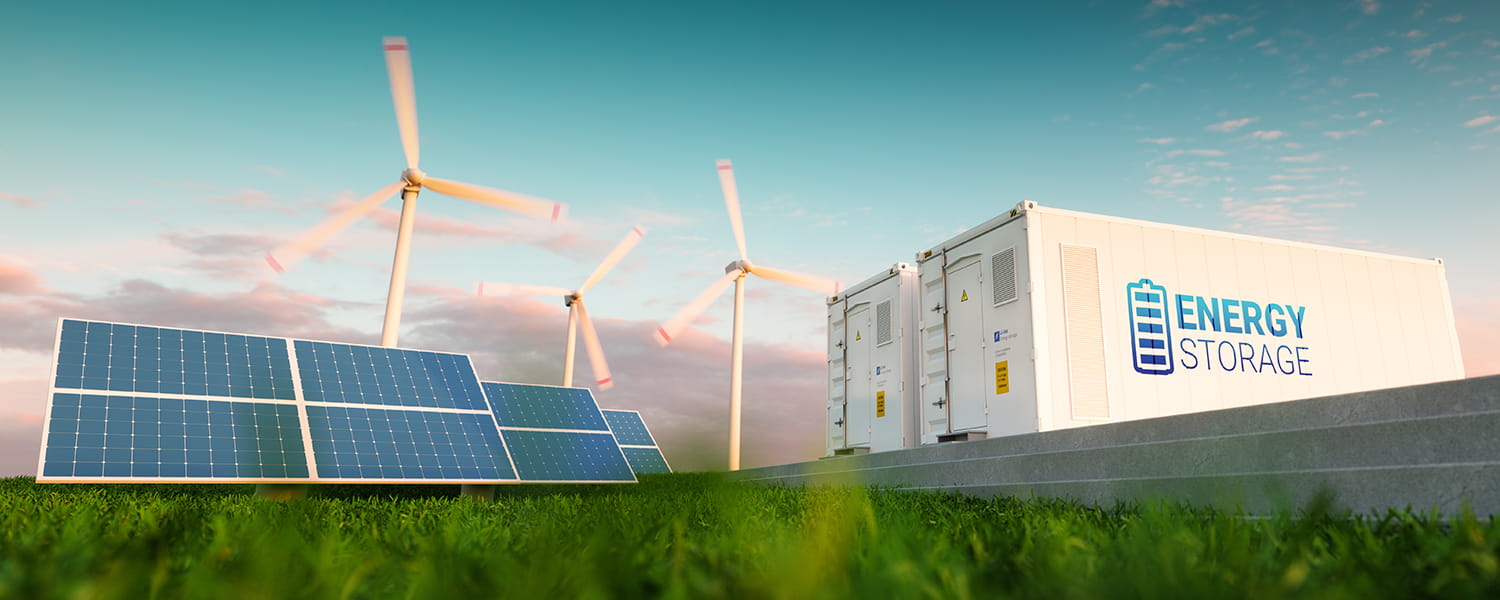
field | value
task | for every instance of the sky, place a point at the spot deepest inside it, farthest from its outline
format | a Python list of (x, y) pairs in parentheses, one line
[(151, 154)]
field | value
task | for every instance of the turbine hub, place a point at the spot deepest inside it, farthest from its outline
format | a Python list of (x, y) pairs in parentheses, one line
[(569, 299), (741, 265), (413, 177)]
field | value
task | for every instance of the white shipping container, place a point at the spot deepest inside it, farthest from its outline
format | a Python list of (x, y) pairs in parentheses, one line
[(872, 342), (1043, 319)]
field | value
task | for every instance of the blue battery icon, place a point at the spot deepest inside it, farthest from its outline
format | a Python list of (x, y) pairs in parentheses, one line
[(1150, 331)]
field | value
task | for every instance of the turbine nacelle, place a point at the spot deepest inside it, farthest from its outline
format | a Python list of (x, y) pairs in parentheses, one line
[(570, 298), (742, 265), (413, 177)]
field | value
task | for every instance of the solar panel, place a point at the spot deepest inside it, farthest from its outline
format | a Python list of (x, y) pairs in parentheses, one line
[(141, 403), (556, 434), (636, 442), (544, 407)]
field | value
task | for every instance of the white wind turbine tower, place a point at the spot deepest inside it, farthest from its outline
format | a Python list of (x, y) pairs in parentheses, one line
[(577, 313), (735, 272), (403, 94)]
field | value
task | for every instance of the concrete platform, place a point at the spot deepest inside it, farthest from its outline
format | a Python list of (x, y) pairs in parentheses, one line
[(1429, 446)]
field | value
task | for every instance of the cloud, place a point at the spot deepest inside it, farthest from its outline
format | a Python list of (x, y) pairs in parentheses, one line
[(1160, 141), (1339, 135), (1290, 177), (1265, 136), (258, 199), (267, 309), (1481, 121), (1369, 7), (1301, 159), (1423, 53), (20, 201), (273, 171), (1232, 125), (1176, 153), (1415, 34), (1364, 55), (1242, 33), (1452, 19), (16, 280), (1275, 188), (1366, 95)]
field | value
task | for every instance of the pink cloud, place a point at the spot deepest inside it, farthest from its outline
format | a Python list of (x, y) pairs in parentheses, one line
[(266, 309), (20, 201), (18, 281)]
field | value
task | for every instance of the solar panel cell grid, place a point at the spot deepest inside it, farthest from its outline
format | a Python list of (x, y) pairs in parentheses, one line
[(127, 358), (369, 443), (629, 429), (567, 456), (544, 407), (646, 460), (117, 436), (386, 376)]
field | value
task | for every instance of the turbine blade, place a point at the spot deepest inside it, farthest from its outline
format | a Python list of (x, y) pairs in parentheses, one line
[(685, 316), (596, 352), (615, 256), (828, 287), (489, 288), (511, 201), (732, 202), (286, 255), (404, 95)]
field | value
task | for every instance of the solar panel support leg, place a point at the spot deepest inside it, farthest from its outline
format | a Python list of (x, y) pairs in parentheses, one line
[(281, 491), (478, 493)]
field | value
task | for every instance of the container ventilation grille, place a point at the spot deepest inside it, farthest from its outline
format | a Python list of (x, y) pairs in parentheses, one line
[(883, 323), (1085, 327), (1003, 275)]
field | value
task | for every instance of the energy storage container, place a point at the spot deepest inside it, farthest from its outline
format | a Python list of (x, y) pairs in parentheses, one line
[(1042, 319), (872, 350)]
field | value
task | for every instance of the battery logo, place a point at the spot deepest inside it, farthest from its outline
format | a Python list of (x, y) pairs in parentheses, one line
[(1150, 331)]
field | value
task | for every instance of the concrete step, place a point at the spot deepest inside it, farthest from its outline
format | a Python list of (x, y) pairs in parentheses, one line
[(1433, 436)]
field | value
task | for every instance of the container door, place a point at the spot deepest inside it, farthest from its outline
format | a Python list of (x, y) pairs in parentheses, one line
[(966, 347), (836, 375), (860, 398)]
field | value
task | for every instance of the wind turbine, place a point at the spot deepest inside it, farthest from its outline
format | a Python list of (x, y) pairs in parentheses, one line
[(735, 273), (577, 313), (403, 94)]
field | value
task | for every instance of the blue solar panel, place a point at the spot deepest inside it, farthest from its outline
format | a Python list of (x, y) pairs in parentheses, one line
[(567, 456), (636, 442), (387, 376), (370, 443), (645, 460), (125, 436), (629, 428), (129, 358), (142, 403), (544, 407)]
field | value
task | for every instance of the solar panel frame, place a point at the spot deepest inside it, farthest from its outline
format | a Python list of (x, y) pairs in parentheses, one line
[(603, 432), (635, 417), (297, 399)]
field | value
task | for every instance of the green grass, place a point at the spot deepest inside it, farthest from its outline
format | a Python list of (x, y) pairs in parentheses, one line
[(698, 536)]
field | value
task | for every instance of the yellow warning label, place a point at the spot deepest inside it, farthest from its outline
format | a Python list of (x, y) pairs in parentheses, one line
[(856, 336), (1002, 377), (965, 298), (879, 404)]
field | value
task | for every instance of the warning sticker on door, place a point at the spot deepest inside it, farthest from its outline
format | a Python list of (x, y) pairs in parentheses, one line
[(856, 336), (879, 404), (965, 297), (1002, 377)]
